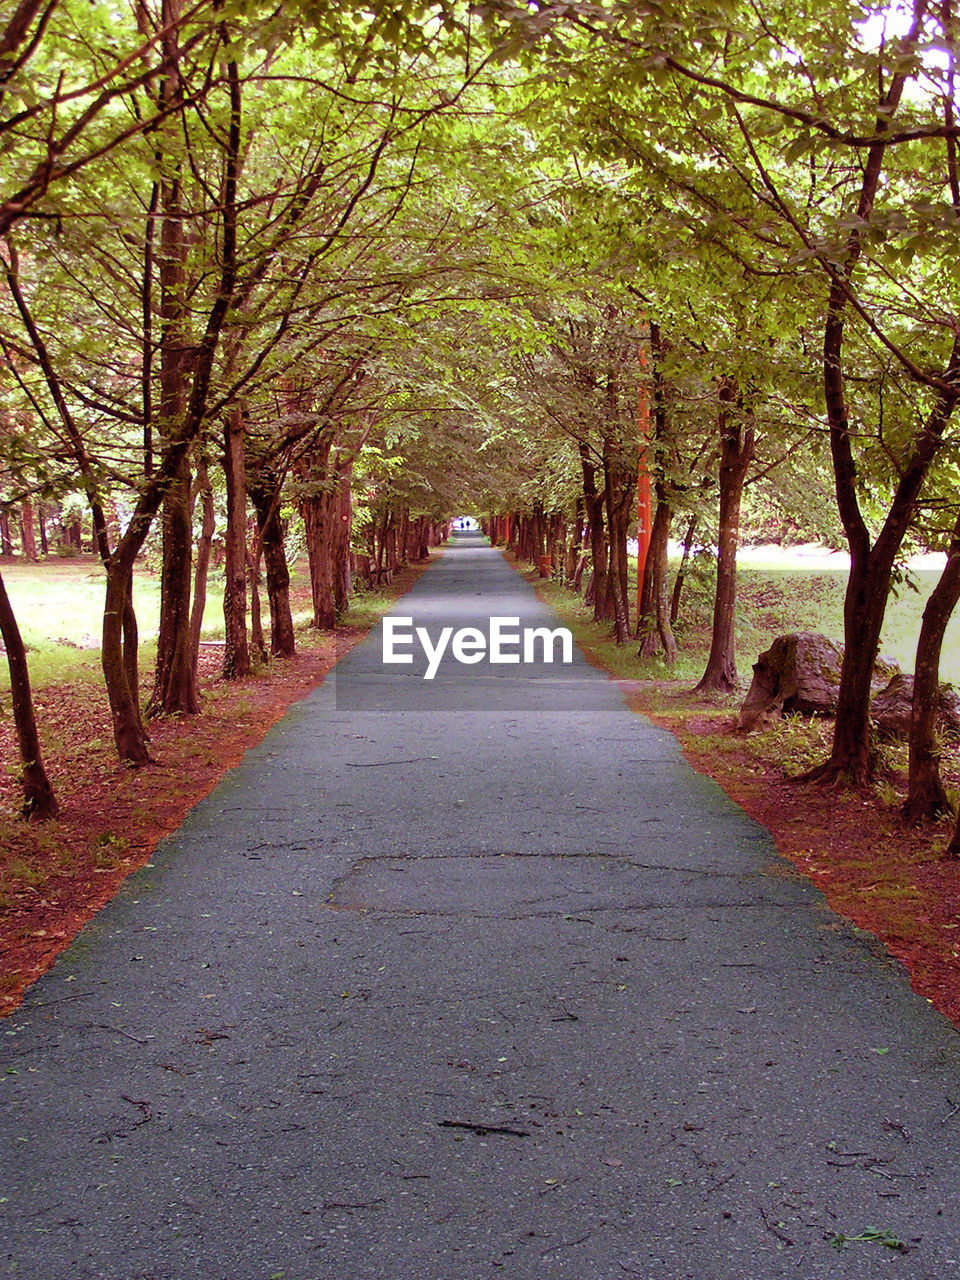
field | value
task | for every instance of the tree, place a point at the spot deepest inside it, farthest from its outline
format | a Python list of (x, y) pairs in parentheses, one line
[(39, 801), (830, 177), (737, 447)]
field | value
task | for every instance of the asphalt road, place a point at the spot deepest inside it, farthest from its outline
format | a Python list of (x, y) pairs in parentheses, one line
[(469, 978)]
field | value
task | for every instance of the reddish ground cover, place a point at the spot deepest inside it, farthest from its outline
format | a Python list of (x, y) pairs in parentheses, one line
[(885, 877), (55, 876)]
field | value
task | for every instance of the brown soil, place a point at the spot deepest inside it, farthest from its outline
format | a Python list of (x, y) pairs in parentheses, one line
[(885, 877), (54, 876)]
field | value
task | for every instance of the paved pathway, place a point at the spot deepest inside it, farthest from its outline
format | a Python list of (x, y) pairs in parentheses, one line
[(472, 978)]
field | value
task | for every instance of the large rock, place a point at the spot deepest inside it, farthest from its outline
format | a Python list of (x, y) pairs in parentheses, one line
[(890, 709), (799, 672)]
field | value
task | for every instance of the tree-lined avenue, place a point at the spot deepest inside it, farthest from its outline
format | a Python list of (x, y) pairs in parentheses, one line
[(429, 986)]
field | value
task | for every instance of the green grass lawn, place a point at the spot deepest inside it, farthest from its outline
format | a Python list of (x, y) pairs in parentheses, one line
[(773, 601), (59, 607)]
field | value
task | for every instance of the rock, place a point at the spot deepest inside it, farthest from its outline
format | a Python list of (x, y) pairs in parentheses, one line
[(800, 672), (890, 709)]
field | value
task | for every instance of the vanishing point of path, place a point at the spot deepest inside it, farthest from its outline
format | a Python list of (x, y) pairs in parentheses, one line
[(473, 978)]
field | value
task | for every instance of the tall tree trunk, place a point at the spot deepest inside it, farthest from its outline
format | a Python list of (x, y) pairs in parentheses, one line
[(851, 756), (343, 529), (617, 505), (204, 547), (128, 731), (868, 586), (597, 585), (258, 645), (130, 652), (574, 539), (926, 796), (236, 653), (656, 626), (28, 539), (380, 546), (316, 522), (678, 581), (265, 495), (39, 802), (317, 509), (736, 454), (655, 610), (175, 688)]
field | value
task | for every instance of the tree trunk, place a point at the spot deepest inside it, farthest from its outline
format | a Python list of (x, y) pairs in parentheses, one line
[(182, 429), (265, 495), (851, 757), (617, 516), (236, 654), (204, 547), (258, 645), (128, 731), (317, 508), (655, 623), (682, 570), (597, 583), (380, 543), (574, 541), (653, 619), (343, 529), (130, 652), (174, 688), (736, 454), (28, 539), (926, 796), (316, 520), (39, 802)]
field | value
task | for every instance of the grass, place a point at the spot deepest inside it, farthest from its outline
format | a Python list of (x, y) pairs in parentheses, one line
[(59, 608), (798, 742), (368, 608), (771, 601), (32, 856), (58, 604)]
